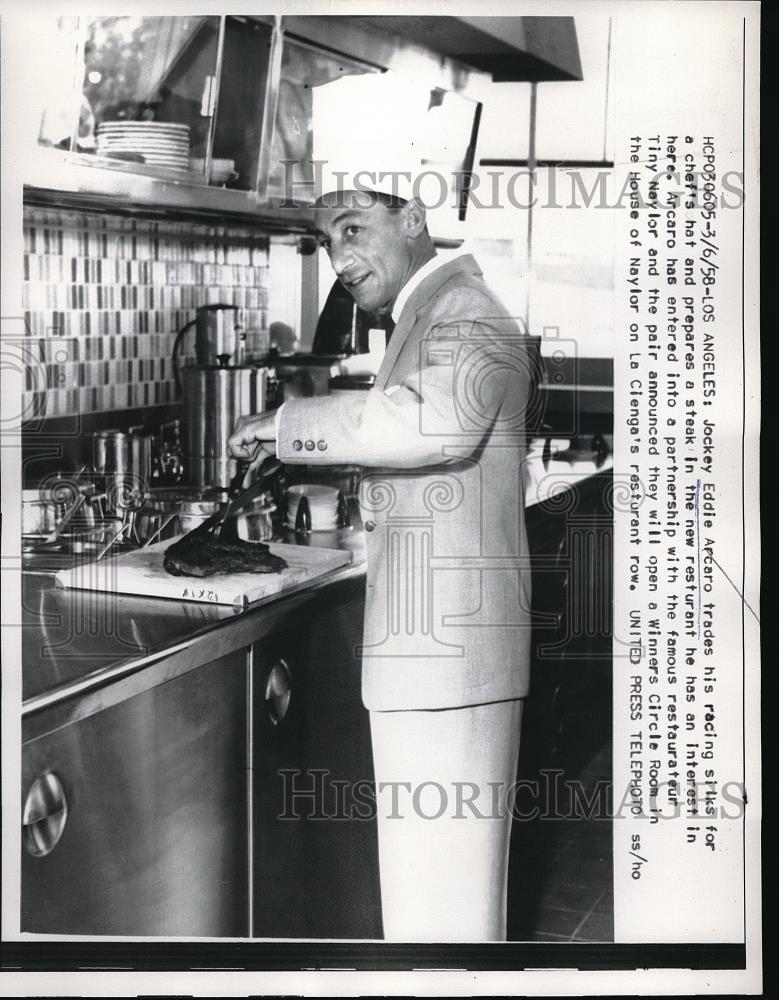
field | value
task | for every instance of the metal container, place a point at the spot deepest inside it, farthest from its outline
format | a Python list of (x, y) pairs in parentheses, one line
[(214, 397), (123, 459), (194, 512), (218, 334), (95, 540), (169, 512), (256, 523), (158, 519), (41, 512), (48, 509)]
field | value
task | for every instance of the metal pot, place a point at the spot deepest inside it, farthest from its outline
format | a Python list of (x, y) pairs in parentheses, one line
[(46, 510), (255, 524), (40, 512), (169, 512), (194, 512), (123, 461), (158, 518)]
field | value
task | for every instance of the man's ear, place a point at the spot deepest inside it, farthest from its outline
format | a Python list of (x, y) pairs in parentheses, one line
[(414, 216)]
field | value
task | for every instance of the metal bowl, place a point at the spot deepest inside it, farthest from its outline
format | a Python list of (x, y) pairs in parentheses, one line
[(40, 512), (171, 511)]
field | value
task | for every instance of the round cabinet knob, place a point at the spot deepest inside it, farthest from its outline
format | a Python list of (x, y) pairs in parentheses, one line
[(310, 445), (297, 444), (369, 525), (278, 691), (45, 815)]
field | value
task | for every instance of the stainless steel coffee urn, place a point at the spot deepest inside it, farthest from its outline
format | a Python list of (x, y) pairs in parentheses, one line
[(218, 389), (219, 335), (214, 398)]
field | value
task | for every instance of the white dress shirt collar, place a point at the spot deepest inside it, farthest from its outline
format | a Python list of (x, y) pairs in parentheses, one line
[(416, 279)]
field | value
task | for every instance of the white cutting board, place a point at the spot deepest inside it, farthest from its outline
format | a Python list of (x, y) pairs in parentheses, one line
[(141, 572)]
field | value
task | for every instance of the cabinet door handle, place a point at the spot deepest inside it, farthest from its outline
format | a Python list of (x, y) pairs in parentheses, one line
[(278, 691), (45, 815)]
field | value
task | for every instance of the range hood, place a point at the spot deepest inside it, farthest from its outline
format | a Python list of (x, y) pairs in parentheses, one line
[(509, 48)]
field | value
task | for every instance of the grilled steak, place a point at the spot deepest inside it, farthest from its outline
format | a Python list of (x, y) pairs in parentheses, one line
[(206, 557)]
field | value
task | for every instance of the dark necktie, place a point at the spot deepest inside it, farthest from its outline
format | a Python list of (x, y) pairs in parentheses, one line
[(389, 326)]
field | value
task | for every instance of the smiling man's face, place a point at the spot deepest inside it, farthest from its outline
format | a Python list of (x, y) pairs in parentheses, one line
[(373, 250)]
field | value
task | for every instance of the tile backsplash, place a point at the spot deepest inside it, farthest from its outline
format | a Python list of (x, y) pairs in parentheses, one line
[(104, 296)]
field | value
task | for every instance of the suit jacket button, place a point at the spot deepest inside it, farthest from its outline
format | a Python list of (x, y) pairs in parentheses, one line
[(297, 445), (310, 445), (322, 445), (370, 525)]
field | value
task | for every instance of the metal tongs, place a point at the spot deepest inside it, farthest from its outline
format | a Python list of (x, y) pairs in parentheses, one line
[(221, 526)]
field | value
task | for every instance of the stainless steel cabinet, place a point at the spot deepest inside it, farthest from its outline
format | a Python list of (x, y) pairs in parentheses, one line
[(279, 903), (152, 798), (208, 805)]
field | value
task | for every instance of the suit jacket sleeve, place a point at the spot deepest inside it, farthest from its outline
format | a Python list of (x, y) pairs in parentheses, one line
[(428, 414)]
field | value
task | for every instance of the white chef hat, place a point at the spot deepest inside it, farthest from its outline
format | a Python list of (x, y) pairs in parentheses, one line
[(367, 132)]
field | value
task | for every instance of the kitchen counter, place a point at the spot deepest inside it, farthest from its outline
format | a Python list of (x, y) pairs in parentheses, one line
[(77, 643)]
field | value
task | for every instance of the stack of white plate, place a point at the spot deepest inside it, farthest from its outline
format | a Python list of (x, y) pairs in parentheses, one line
[(162, 144), (322, 504)]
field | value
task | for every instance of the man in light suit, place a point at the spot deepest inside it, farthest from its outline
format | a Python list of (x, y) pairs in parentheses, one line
[(445, 657)]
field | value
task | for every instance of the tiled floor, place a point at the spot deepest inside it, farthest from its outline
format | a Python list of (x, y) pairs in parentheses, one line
[(560, 877)]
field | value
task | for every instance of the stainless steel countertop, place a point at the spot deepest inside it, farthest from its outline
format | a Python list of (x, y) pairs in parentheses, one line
[(79, 641)]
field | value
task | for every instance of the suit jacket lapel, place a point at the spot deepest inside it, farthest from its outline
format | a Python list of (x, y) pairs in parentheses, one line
[(399, 335), (418, 299)]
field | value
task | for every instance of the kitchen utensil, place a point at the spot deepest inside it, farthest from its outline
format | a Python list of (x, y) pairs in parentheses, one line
[(67, 518), (142, 572), (256, 525), (234, 491), (122, 460), (40, 513), (170, 512), (195, 511), (215, 525), (59, 502), (176, 510)]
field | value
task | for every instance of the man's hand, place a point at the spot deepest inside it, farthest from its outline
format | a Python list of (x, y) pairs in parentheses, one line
[(254, 437)]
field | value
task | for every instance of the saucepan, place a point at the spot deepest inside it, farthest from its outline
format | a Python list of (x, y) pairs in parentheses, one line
[(56, 505)]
